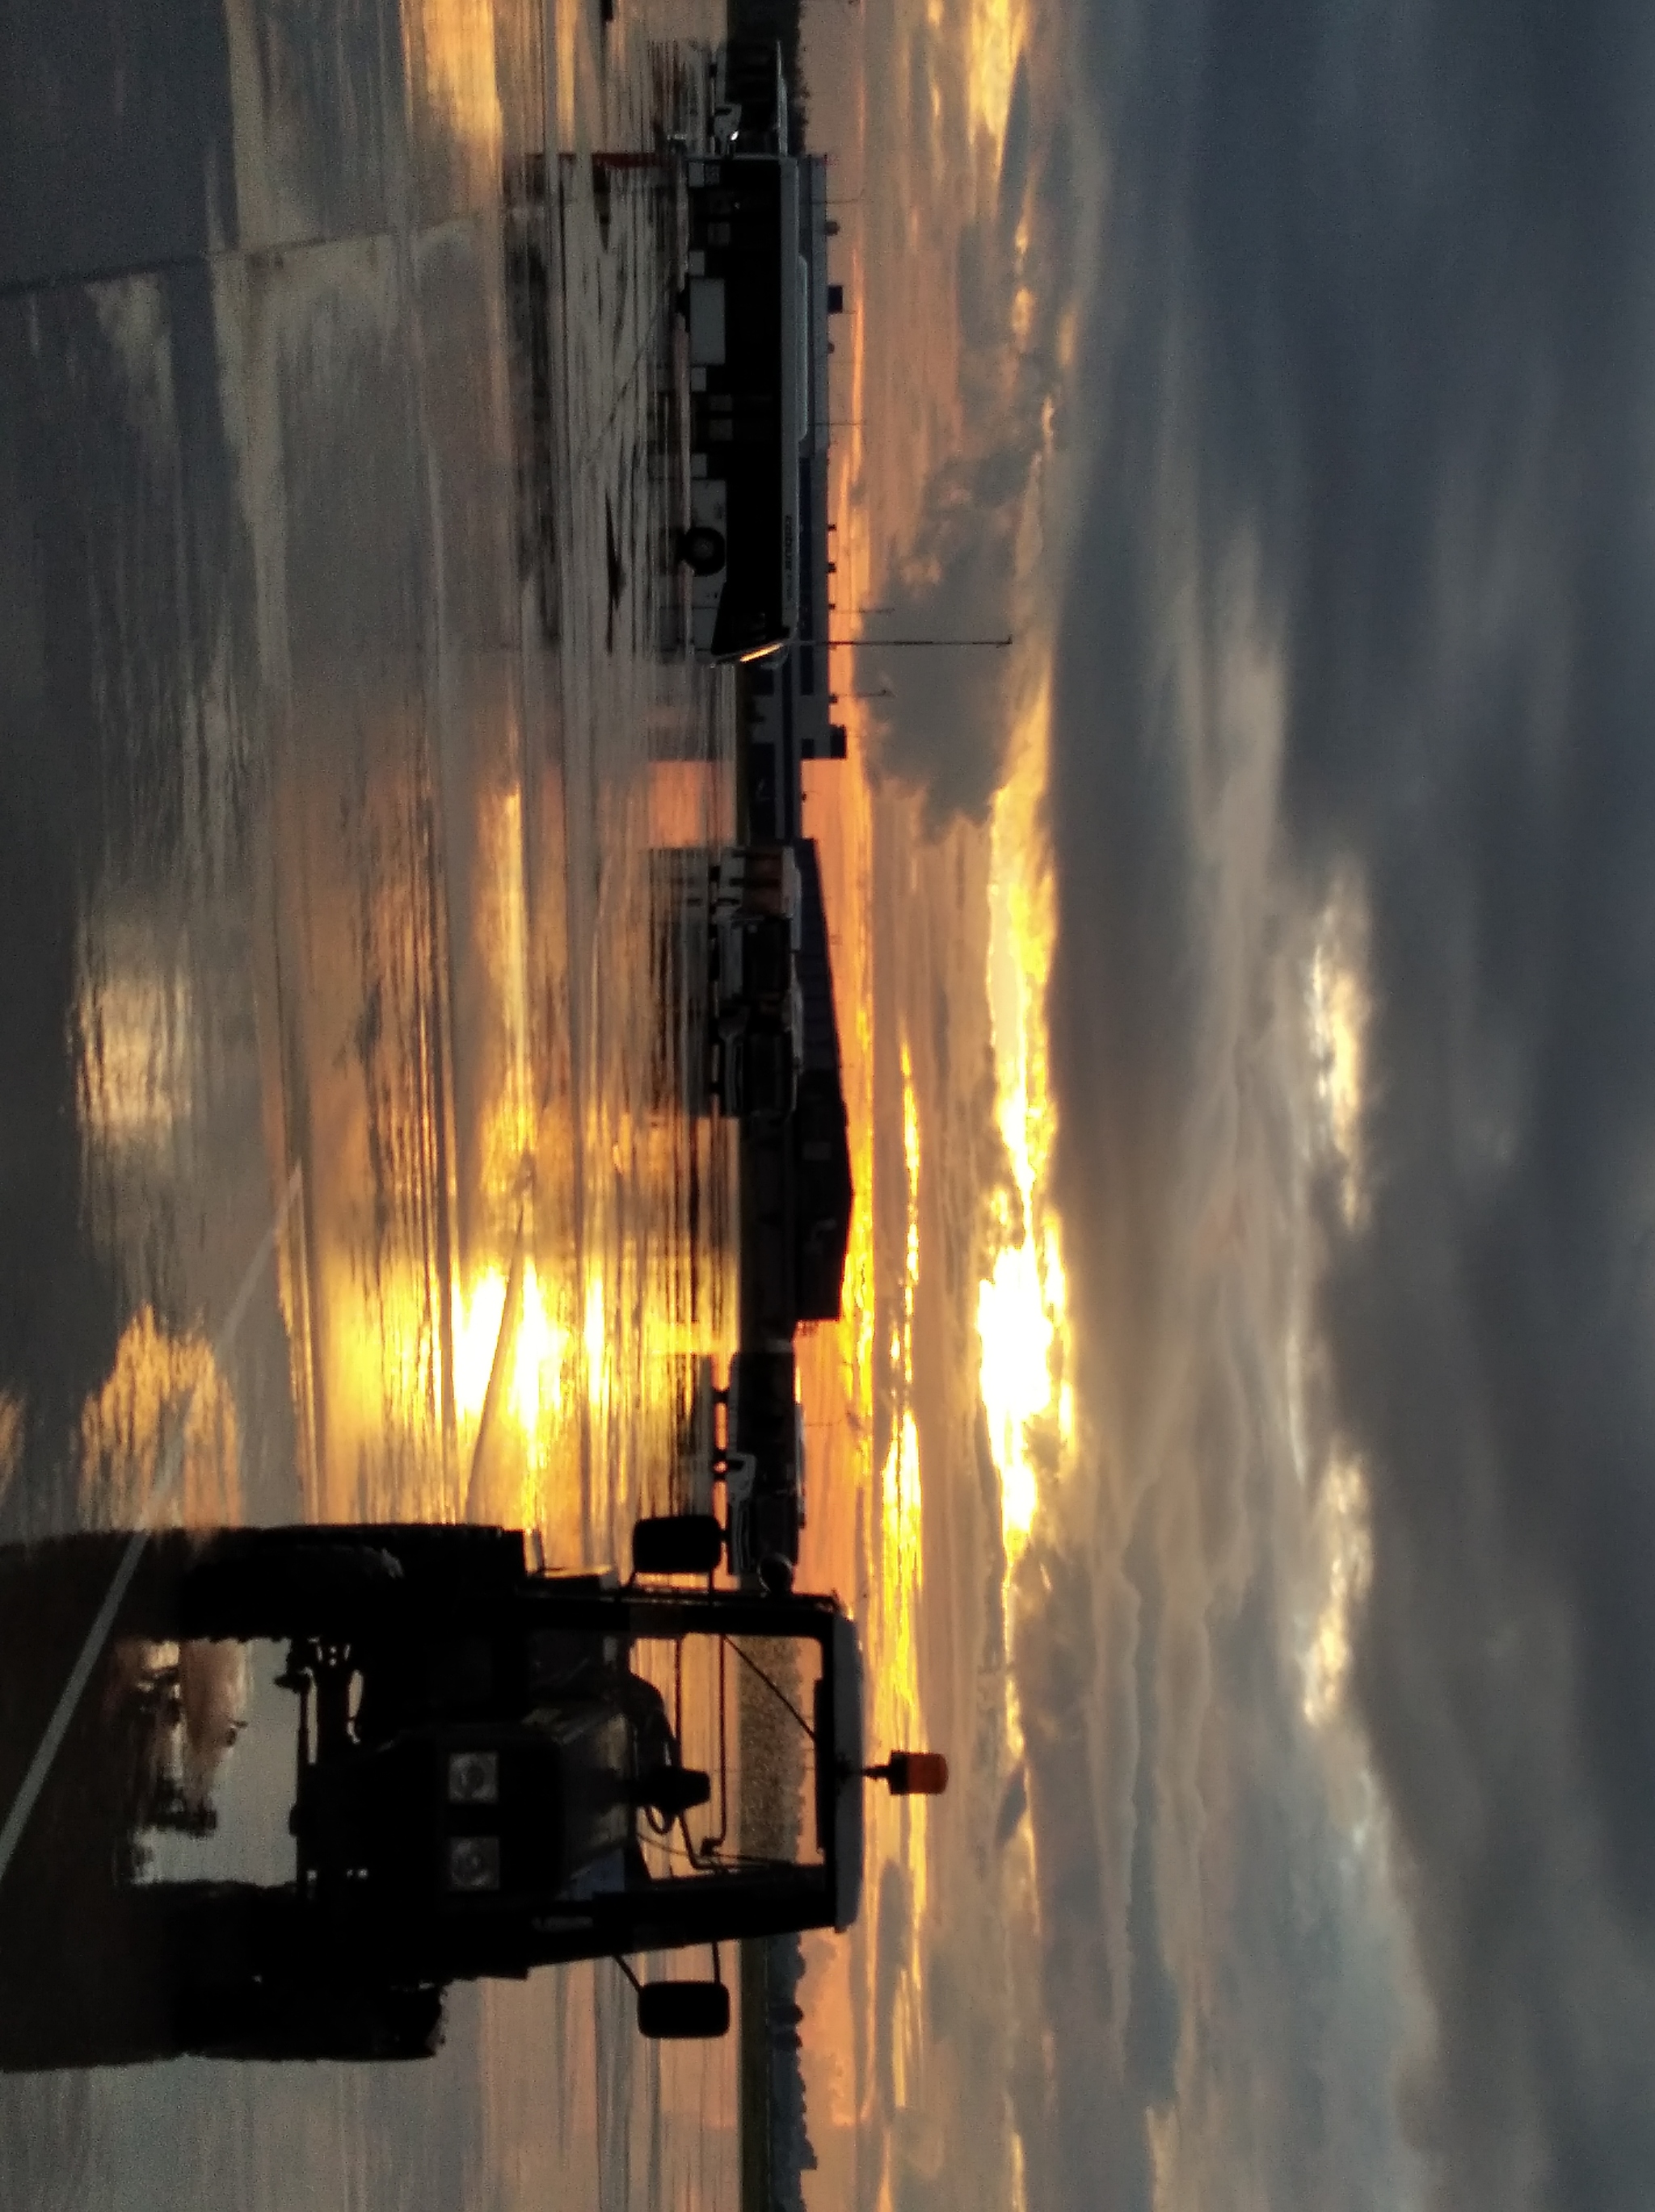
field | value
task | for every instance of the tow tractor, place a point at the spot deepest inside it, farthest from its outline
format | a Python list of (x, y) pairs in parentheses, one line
[(500, 1767), (759, 1459)]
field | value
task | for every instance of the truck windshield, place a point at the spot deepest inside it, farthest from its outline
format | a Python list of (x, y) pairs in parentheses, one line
[(738, 1708)]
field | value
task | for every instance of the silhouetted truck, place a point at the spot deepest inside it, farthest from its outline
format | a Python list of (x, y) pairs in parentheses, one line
[(764, 1499), (759, 1460), (498, 1768), (726, 969), (757, 1025)]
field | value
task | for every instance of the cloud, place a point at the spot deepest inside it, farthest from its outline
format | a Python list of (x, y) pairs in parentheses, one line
[(1091, 2126), (1152, 2028), (893, 1941), (965, 571), (1363, 582)]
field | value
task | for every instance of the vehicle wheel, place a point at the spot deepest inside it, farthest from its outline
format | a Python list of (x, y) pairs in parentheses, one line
[(247, 1585), (408, 2024), (677, 1544), (702, 549), (684, 2012), (272, 2018)]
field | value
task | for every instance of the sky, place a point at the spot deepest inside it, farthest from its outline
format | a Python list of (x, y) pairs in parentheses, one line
[(1280, 375)]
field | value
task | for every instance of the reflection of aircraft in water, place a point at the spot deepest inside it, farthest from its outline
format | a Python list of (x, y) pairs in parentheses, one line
[(492, 1776)]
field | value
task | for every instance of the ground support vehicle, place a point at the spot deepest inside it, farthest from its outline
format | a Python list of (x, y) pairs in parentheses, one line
[(755, 1031), (759, 1458), (496, 1768), (765, 1500), (727, 961)]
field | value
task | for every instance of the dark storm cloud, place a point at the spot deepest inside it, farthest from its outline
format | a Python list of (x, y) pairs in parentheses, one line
[(1152, 2023), (1085, 2142), (948, 726), (1016, 154), (1372, 359)]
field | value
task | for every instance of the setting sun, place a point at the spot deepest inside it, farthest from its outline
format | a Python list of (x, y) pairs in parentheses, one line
[(1022, 1302)]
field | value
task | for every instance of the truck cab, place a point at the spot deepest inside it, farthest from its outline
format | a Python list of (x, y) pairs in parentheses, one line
[(498, 1768)]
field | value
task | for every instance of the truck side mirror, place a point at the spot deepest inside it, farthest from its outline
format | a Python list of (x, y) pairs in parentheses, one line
[(677, 1544), (684, 2012)]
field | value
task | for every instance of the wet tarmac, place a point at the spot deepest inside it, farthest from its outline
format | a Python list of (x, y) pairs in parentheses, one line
[(340, 1176)]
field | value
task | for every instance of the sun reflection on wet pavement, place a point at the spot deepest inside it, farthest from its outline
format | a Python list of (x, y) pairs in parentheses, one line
[(339, 736)]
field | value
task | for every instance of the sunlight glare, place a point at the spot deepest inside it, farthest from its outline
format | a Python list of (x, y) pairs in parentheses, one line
[(533, 1376), (995, 38), (156, 1380), (1022, 1302), (594, 1340), (477, 1321), (1339, 1012), (893, 1654), (1342, 1529)]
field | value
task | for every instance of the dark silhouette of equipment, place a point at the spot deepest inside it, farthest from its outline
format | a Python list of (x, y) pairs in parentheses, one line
[(491, 1774)]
